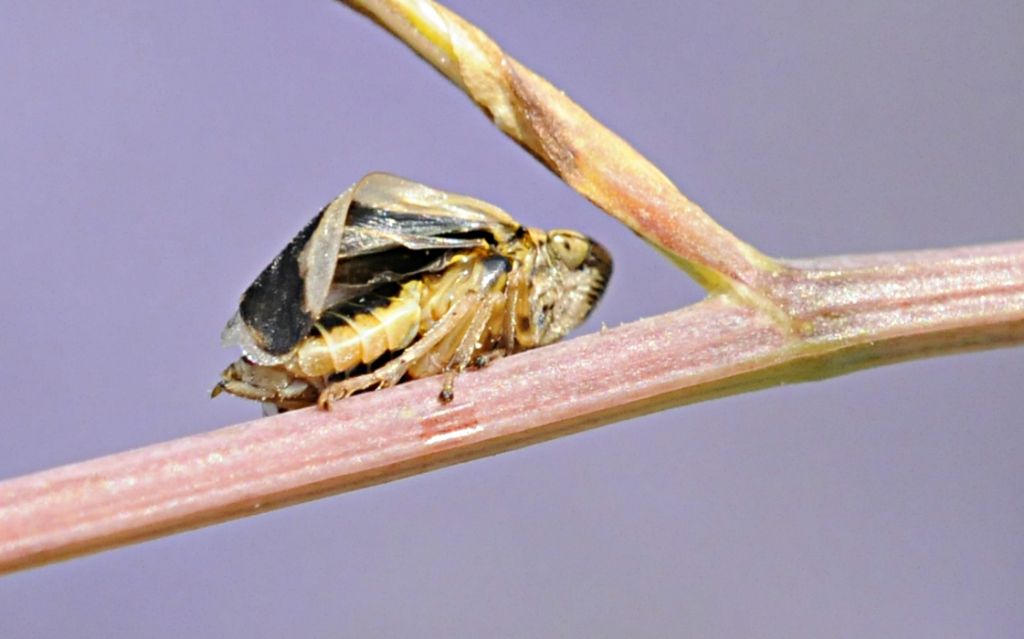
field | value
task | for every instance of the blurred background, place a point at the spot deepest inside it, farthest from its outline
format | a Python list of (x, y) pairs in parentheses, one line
[(157, 155)]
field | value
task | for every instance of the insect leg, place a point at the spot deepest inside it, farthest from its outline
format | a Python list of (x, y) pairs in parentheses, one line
[(389, 374), (469, 342), (514, 286)]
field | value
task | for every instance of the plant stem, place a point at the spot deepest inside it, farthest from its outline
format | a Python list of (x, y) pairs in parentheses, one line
[(861, 311), (577, 148)]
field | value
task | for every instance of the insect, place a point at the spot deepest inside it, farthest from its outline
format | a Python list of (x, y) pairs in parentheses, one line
[(395, 280)]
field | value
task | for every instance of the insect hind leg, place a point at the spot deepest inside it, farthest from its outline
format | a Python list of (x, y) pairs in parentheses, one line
[(463, 354)]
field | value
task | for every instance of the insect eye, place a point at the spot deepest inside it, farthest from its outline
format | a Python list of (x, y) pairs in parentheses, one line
[(568, 247)]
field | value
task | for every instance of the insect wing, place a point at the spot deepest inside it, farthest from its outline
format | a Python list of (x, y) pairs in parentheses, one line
[(389, 212), (382, 214)]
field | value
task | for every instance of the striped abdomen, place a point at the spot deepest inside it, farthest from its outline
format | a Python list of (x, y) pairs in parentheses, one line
[(385, 321)]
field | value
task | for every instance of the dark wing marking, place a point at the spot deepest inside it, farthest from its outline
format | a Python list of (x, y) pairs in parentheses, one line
[(272, 307), (355, 276), (382, 214)]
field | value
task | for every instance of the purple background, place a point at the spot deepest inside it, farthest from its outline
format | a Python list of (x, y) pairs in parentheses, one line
[(156, 155)]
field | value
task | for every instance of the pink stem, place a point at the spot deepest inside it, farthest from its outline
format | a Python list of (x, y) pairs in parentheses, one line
[(855, 312)]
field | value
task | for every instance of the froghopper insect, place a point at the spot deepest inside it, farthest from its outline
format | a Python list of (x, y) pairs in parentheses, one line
[(395, 280)]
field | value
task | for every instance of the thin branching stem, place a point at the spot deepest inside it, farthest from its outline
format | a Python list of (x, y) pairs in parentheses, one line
[(577, 148)]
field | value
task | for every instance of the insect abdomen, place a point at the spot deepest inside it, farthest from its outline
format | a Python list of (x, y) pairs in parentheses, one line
[(387, 320), (361, 333)]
